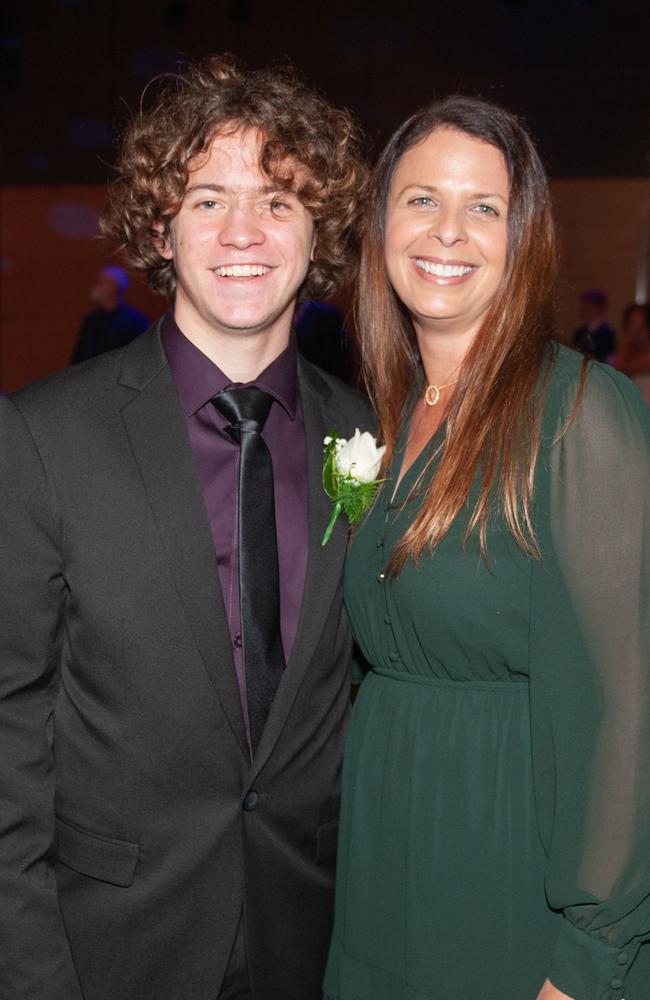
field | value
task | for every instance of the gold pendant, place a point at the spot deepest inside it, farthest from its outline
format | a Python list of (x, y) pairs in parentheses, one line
[(432, 395)]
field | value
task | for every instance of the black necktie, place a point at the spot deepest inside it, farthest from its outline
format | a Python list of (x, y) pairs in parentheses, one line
[(259, 592)]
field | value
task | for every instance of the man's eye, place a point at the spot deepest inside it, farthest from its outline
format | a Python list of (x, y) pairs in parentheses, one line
[(279, 206), (207, 204)]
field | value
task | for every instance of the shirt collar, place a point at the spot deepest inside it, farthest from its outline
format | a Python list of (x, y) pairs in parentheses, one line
[(198, 379)]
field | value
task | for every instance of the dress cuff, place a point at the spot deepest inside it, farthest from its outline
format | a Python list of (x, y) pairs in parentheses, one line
[(588, 968)]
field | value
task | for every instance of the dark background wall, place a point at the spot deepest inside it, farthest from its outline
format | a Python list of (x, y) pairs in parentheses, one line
[(73, 70), (577, 69)]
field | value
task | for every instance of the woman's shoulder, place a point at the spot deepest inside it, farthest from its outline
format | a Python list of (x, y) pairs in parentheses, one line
[(571, 373), (567, 366), (580, 390)]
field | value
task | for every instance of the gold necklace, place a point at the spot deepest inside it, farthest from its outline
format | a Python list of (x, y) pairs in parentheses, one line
[(432, 392)]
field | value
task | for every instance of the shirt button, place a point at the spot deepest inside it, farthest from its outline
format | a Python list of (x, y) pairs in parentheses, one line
[(237, 642), (622, 958), (381, 576), (250, 801), (616, 984)]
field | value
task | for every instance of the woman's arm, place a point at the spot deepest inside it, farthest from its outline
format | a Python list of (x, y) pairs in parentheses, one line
[(590, 687)]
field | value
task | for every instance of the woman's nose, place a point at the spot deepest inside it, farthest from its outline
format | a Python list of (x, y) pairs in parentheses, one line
[(448, 226)]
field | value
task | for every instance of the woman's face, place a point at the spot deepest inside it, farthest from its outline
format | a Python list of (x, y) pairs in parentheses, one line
[(446, 230), (636, 328)]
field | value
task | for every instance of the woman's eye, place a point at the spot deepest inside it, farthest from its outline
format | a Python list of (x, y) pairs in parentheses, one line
[(485, 210), (421, 200)]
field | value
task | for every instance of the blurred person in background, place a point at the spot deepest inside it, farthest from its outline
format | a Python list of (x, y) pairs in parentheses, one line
[(633, 354), (113, 322), (594, 337), (323, 339)]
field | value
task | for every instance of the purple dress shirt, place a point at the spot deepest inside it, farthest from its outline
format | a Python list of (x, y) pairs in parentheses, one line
[(198, 380)]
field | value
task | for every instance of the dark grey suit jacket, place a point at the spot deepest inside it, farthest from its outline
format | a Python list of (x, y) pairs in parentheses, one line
[(125, 851)]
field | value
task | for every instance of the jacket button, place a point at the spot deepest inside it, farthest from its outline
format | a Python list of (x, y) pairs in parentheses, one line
[(250, 801)]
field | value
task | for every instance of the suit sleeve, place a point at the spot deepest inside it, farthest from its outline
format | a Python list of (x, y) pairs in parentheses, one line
[(35, 958)]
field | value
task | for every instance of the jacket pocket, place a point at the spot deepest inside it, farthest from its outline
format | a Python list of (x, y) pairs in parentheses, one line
[(103, 858), (326, 838)]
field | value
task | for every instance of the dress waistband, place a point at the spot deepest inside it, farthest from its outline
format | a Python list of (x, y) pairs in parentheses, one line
[(400, 675)]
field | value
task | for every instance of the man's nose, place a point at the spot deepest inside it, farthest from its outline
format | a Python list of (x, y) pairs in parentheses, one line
[(241, 228)]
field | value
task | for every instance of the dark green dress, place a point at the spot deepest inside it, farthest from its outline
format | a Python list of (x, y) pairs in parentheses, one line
[(495, 827)]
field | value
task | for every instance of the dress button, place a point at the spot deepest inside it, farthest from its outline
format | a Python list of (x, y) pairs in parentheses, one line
[(237, 642), (381, 576), (622, 958), (380, 542), (386, 619), (393, 655), (250, 801), (616, 984)]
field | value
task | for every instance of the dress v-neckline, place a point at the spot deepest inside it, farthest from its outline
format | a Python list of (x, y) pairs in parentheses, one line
[(426, 450)]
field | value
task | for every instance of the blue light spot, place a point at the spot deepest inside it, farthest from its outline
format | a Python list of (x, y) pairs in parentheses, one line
[(74, 219), (37, 163), (147, 63), (88, 133)]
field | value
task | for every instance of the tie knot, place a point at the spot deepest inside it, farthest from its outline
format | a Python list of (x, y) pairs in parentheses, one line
[(239, 405)]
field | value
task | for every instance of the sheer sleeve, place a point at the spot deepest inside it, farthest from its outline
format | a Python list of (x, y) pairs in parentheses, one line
[(590, 682)]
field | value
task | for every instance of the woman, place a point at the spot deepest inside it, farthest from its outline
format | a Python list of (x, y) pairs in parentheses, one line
[(495, 837), (633, 354)]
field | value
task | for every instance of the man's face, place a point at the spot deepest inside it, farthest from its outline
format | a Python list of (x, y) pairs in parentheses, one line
[(105, 292), (590, 311), (240, 246)]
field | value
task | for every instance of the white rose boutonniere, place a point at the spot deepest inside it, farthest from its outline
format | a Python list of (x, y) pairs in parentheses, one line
[(349, 475)]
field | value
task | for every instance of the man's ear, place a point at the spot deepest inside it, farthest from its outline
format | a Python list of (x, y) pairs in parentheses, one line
[(161, 241)]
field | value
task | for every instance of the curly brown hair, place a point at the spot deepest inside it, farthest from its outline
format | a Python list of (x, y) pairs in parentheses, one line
[(298, 128)]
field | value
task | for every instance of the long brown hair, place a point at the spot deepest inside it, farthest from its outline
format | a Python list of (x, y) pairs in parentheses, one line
[(493, 425)]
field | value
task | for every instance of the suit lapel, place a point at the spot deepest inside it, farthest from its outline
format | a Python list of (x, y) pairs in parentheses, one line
[(156, 429), (324, 563)]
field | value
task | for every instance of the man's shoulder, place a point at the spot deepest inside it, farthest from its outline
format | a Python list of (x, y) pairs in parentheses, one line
[(66, 383), (84, 384)]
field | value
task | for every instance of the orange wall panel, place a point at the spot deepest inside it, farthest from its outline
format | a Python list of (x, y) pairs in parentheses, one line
[(50, 254), (600, 224)]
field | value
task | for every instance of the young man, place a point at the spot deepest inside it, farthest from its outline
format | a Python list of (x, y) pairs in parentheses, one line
[(174, 657)]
